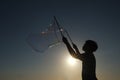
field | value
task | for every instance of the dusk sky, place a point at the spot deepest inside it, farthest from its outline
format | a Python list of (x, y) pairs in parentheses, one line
[(98, 20)]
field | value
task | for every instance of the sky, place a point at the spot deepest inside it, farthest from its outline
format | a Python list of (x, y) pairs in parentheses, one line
[(89, 19)]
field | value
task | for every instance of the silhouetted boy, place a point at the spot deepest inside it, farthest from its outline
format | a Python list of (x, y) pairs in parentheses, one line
[(87, 58)]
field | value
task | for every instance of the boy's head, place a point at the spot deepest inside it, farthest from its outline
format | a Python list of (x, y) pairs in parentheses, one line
[(90, 46)]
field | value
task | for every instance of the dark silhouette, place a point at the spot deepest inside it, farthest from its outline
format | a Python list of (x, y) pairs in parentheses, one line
[(87, 58)]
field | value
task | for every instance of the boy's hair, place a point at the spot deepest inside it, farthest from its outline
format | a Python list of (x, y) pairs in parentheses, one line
[(91, 45)]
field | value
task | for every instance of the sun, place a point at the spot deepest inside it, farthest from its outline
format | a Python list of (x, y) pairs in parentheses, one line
[(71, 60)]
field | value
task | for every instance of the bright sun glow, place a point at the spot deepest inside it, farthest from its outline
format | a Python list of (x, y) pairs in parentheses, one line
[(71, 61)]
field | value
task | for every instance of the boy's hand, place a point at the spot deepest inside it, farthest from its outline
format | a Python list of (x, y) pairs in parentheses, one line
[(64, 39)]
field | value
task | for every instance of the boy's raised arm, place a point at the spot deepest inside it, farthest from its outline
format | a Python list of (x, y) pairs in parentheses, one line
[(76, 49), (70, 49)]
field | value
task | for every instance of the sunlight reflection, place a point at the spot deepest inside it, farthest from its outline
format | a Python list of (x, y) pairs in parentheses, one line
[(71, 61)]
